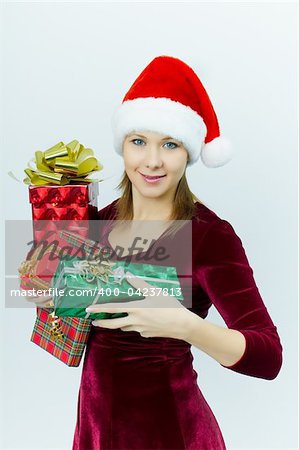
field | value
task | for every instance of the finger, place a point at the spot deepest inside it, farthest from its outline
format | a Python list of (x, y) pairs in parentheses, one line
[(48, 304), (137, 282), (113, 323), (114, 307), (38, 299), (129, 328)]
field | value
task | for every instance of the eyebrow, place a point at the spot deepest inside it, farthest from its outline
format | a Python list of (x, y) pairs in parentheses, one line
[(164, 139)]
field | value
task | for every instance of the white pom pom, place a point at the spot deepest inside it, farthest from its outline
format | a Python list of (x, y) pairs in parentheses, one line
[(217, 152)]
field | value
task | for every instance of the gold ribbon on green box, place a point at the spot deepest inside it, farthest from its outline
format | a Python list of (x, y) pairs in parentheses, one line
[(61, 164), (80, 283)]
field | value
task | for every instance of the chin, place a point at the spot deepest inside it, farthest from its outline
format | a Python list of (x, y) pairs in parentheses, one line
[(149, 193)]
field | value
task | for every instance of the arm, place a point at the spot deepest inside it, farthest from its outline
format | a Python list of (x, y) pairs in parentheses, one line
[(226, 276), (225, 345)]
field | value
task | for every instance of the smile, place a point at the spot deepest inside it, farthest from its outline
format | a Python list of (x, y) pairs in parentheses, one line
[(152, 179)]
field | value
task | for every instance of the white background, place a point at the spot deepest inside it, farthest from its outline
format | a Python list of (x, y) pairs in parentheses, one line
[(66, 66)]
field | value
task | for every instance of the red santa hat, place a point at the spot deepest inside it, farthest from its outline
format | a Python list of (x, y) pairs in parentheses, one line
[(168, 98)]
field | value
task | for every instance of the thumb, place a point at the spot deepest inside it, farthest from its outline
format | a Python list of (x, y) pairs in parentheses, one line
[(135, 281), (131, 278)]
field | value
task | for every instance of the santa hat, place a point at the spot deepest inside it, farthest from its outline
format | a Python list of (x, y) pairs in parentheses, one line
[(168, 98)]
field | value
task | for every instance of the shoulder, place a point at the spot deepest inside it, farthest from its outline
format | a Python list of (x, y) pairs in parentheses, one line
[(209, 227), (216, 242), (204, 217), (203, 214)]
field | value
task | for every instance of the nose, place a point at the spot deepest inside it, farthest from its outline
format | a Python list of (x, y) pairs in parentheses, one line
[(153, 157)]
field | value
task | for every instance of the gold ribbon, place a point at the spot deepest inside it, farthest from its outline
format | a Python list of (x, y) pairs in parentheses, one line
[(61, 164), (97, 269), (55, 327)]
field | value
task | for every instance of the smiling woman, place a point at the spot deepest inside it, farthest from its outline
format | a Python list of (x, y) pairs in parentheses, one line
[(139, 388), (145, 141), (146, 197), (150, 157)]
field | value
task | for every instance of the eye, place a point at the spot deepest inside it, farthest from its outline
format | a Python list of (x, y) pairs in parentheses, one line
[(171, 143), (137, 141)]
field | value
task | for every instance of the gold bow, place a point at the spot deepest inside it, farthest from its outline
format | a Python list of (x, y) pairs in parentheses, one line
[(61, 164), (92, 269)]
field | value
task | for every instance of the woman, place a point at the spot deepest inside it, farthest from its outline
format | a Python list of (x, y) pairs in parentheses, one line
[(138, 387)]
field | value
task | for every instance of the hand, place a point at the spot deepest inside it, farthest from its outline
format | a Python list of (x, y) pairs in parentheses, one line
[(148, 316), (43, 301)]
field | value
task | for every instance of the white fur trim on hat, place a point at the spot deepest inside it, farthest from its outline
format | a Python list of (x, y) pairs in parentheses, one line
[(217, 152), (160, 115)]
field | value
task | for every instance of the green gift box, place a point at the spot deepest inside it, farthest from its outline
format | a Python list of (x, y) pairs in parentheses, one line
[(79, 283)]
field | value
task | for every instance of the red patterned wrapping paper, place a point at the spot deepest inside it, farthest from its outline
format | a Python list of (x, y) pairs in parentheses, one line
[(70, 349), (56, 208), (70, 203)]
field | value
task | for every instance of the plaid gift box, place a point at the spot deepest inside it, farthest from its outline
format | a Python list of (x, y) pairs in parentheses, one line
[(65, 337), (69, 340)]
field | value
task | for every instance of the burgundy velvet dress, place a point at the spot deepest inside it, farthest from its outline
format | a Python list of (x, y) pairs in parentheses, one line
[(139, 393)]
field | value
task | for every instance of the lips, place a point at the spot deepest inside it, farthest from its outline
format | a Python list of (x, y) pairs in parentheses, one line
[(152, 177)]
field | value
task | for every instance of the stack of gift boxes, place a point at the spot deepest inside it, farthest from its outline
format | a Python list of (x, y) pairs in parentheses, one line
[(61, 198)]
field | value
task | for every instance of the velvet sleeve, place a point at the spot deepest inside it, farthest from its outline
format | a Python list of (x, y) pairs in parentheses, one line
[(95, 228), (227, 278)]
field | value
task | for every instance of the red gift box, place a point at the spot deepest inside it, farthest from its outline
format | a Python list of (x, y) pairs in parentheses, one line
[(63, 202), (70, 203), (55, 208)]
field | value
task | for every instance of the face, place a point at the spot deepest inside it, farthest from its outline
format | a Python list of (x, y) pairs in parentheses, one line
[(152, 154)]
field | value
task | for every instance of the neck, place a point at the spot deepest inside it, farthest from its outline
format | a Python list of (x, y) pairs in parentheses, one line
[(145, 208)]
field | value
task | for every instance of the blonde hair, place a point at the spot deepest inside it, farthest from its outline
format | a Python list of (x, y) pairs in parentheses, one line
[(183, 204)]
